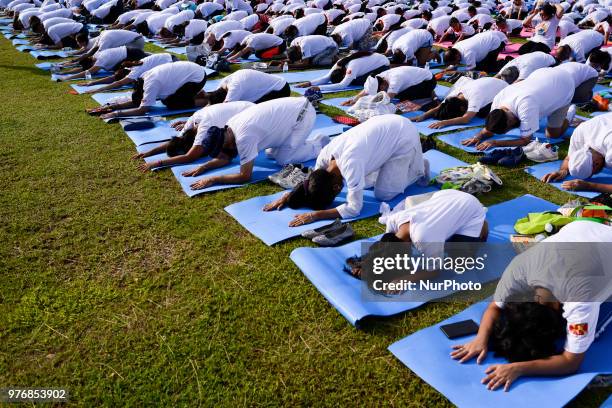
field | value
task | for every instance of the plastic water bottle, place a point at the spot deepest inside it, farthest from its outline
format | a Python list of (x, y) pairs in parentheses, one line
[(286, 67), (88, 75), (427, 65)]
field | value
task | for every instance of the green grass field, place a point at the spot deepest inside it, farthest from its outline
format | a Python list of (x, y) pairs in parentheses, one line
[(118, 287)]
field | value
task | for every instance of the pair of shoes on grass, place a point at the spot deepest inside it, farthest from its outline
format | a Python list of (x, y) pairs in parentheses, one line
[(330, 235)]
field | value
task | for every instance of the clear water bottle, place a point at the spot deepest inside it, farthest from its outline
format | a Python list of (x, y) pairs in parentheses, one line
[(286, 67), (427, 65), (88, 75)]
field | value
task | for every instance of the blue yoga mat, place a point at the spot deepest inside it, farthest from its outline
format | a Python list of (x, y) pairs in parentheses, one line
[(97, 75), (539, 170), (262, 169), (601, 87), (160, 133), (25, 47), (301, 91), (158, 110), (42, 54), (426, 353), (19, 41), (454, 139), (335, 102), (80, 89), (45, 66), (442, 91), (424, 128), (146, 147), (324, 266), (301, 76), (273, 227), (607, 403)]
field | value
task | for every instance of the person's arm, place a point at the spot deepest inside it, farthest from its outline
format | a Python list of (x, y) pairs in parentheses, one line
[(582, 185), (307, 218), (101, 81), (82, 74), (505, 374), (209, 165), (318, 81), (354, 99), (112, 85), (193, 154), (522, 141), (141, 110), (246, 172), (479, 346), (560, 174), (560, 11), (156, 150), (244, 51), (461, 120), (527, 21), (483, 134), (429, 114), (346, 81)]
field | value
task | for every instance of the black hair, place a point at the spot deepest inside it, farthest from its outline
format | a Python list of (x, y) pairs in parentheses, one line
[(452, 56), (197, 39), (291, 32), (548, 9), (120, 73), (452, 108), (337, 38), (510, 74), (426, 14), (472, 9), (564, 52), (82, 37), (180, 145), (86, 63), (453, 20), (317, 192), (602, 58), (527, 331), (299, 13), (143, 28), (216, 96), (497, 122), (294, 53), (390, 237), (17, 23)]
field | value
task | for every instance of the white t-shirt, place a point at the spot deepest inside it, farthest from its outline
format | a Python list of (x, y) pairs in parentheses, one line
[(128, 16), (250, 85), (164, 80), (308, 24), (222, 27), (546, 31), (208, 8), (410, 42), (24, 17), (542, 93), (567, 27), (249, 21), (142, 16), (215, 115), (279, 25), (352, 31), (475, 49), (236, 15), (365, 148), (156, 21), (392, 37), (194, 28), (266, 125), (595, 133), (439, 24), (482, 19), (401, 78), (354, 69), (434, 221), (55, 20), (415, 23), (262, 41), (479, 92), (582, 42), (570, 275), (104, 10), (108, 59), (388, 20), (528, 63), (149, 63), (466, 29), (115, 38), (312, 45), (179, 19), (62, 30), (234, 37), (579, 72)]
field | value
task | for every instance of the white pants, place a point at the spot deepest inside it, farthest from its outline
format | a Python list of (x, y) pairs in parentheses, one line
[(396, 175), (297, 147)]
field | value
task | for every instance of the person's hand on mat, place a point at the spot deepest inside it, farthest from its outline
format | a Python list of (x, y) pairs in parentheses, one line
[(303, 219), (303, 85), (418, 118), (437, 125), (145, 167), (471, 141), (465, 352), (138, 156), (315, 88), (501, 375), (193, 173), (205, 182), (554, 176), (348, 102), (486, 145), (575, 185), (178, 125), (277, 204), (99, 110), (109, 115)]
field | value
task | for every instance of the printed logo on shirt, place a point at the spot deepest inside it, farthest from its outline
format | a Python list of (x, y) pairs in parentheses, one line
[(579, 329)]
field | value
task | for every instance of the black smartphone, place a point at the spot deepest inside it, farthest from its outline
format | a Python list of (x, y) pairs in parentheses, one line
[(460, 329)]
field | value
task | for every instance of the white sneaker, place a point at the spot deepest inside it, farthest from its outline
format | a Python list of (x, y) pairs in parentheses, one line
[(571, 113), (543, 153), (531, 146), (294, 178)]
